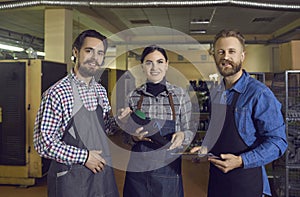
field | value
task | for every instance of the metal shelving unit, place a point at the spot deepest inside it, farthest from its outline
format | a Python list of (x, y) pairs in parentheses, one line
[(199, 92), (286, 87), (260, 76)]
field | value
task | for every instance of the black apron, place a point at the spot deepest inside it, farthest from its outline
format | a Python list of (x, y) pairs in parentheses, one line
[(161, 182), (86, 131), (238, 182)]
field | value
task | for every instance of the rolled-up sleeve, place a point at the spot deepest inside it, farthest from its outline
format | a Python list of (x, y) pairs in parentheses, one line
[(268, 123)]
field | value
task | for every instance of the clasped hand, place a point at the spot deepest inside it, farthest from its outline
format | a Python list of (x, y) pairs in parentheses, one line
[(225, 163)]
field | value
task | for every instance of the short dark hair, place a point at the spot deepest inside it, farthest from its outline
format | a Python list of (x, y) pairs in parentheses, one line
[(89, 33), (152, 48), (229, 33)]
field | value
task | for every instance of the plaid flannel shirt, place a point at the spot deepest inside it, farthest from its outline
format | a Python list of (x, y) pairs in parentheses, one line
[(159, 107), (55, 113)]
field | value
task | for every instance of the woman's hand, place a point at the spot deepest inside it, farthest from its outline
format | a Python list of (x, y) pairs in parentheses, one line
[(140, 135), (177, 139), (123, 114), (199, 149)]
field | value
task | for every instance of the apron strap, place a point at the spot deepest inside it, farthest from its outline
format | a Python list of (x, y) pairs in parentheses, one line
[(139, 104), (77, 101), (172, 105), (235, 98)]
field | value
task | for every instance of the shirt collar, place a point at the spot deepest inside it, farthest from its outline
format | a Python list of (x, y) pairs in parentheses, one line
[(239, 86), (80, 82)]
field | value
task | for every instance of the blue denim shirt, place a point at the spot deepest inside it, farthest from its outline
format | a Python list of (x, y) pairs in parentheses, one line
[(259, 121)]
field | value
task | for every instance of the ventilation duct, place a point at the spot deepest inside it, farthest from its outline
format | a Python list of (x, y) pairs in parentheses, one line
[(290, 6)]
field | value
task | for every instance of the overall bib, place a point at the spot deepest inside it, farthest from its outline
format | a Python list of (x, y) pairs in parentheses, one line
[(238, 182), (85, 130), (161, 182)]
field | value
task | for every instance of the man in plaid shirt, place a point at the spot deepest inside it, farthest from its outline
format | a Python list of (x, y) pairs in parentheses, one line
[(70, 128)]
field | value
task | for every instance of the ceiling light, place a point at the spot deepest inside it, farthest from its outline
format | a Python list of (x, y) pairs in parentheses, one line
[(195, 22), (111, 49), (11, 48), (263, 19), (39, 53), (200, 31)]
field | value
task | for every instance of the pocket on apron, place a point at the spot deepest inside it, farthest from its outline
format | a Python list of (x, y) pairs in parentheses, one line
[(161, 185), (74, 182)]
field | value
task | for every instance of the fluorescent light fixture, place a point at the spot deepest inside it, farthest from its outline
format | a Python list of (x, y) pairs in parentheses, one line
[(200, 31), (39, 53), (112, 49), (196, 22), (10, 48)]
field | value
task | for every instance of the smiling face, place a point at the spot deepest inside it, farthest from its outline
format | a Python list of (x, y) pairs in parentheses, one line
[(229, 56), (155, 66), (89, 58)]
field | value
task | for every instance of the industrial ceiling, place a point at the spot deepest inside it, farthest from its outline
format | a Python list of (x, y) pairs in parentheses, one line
[(266, 21)]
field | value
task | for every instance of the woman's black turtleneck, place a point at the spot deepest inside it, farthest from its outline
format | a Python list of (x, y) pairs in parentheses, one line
[(156, 88)]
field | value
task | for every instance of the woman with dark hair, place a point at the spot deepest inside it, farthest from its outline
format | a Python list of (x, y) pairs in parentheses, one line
[(152, 170)]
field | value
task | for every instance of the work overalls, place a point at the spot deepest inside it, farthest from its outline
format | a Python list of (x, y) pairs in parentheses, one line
[(238, 182), (161, 182), (86, 131)]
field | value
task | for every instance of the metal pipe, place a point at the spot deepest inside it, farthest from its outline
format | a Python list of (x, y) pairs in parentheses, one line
[(295, 6)]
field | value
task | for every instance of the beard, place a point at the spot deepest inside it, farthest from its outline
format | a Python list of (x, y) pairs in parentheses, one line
[(85, 71), (229, 71)]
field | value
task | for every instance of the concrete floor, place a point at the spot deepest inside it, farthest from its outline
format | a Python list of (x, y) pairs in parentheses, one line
[(194, 179)]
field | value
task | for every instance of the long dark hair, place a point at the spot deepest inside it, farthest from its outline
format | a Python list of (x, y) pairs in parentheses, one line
[(89, 33), (152, 48)]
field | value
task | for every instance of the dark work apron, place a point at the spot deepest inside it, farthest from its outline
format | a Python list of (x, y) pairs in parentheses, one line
[(238, 182), (161, 182), (86, 131)]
